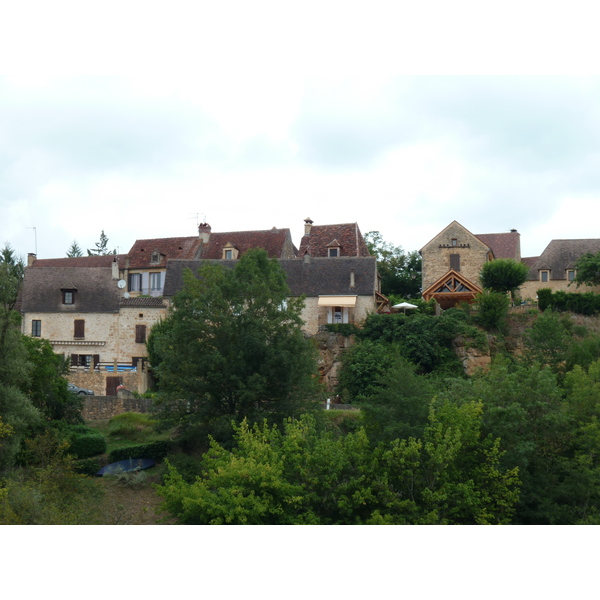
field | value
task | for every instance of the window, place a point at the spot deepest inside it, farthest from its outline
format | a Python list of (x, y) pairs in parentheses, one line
[(79, 330), (228, 254), (36, 328), (135, 282), (155, 258), (333, 252), (68, 296), (140, 334), (455, 262), (571, 275), (544, 276), (454, 241), (337, 314), (155, 282)]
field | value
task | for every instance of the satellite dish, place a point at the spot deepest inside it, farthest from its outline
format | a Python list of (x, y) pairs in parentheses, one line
[(121, 283), (126, 295)]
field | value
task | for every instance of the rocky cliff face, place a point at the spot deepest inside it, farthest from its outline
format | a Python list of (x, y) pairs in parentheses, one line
[(473, 359), (331, 346)]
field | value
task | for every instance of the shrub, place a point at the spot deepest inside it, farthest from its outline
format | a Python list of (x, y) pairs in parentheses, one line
[(492, 310), (84, 445), (131, 425), (346, 329), (156, 450)]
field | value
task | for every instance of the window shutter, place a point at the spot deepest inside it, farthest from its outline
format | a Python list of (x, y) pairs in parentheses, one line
[(455, 262), (96, 360), (140, 334), (74, 360), (79, 328)]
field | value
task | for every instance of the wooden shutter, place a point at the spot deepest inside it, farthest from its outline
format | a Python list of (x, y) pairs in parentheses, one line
[(96, 358), (79, 328), (74, 360), (455, 262), (140, 334)]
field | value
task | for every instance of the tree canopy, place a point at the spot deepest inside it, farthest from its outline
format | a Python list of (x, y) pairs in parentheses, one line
[(400, 271), (101, 248), (587, 269), (503, 275), (233, 347)]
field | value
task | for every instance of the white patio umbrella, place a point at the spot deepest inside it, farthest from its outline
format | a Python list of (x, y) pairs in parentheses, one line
[(404, 305)]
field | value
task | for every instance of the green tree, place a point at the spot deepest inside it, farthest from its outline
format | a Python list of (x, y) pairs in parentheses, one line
[(299, 474), (492, 310), (503, 275), (587, 269), (12, 270), (400, 271), (233, 347), (74, 250), (101, 248)]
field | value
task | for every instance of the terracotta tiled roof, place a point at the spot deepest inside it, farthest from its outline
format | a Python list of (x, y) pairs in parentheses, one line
[(503, 245), (82, 261), (143, 302), (277, 243), (347, 235), (170, 248), (561, 255)]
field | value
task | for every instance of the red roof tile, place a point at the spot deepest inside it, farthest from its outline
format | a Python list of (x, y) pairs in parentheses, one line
[(347, 235)]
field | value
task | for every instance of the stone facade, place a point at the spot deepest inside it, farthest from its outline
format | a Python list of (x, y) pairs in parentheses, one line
[(454, 241), (315, 316)]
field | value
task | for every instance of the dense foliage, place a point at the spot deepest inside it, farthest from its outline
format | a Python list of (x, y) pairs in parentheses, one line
[(587, 269), (583, 304), (400, 271), (503, 275), (300, 475), (233, 348)]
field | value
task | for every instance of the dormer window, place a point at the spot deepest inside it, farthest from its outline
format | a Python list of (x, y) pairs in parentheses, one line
[(230, 252), (544, 276), (155, 258), (334, 249), (570, 274), (68, 295)]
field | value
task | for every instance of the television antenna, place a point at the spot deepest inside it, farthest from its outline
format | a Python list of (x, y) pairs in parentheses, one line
[(35, 237), (197, 217)]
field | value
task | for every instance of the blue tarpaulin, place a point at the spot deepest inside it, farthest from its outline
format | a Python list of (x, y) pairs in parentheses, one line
[(124, 466)]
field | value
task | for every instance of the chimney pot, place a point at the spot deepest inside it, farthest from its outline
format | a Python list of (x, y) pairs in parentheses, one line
[(307, 225)]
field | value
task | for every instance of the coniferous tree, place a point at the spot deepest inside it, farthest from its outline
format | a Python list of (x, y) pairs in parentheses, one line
[(74, 250), (101, 248)]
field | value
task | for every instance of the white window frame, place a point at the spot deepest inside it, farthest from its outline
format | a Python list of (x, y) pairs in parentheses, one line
[(154, 277), (337, 314)]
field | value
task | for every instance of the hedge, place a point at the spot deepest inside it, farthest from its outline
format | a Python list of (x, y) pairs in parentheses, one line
[(585, 304), (156, 450), (84, 445)]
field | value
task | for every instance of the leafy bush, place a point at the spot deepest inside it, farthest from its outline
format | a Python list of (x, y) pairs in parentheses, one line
[(544, 296), (492, 310), (131, 425), (156, 450), (346, 329), (84, 445), (87, 466)]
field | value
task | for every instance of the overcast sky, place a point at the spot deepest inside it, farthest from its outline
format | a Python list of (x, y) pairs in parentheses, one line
[(140, 121)]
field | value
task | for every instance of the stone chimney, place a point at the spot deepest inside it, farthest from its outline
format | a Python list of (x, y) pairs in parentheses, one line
[(204, 232), (307, 225), (352, 282), (115, 269), (30, 258)]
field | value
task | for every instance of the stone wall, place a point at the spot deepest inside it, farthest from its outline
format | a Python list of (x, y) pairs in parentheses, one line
[(528, 290), (315, 316), (106, 407), (96, 380)]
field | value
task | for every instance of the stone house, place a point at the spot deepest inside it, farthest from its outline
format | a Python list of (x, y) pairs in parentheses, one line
[(79, 306), (337, 290), (332, 241), (453, 259), (146, 263), (555, 267)]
